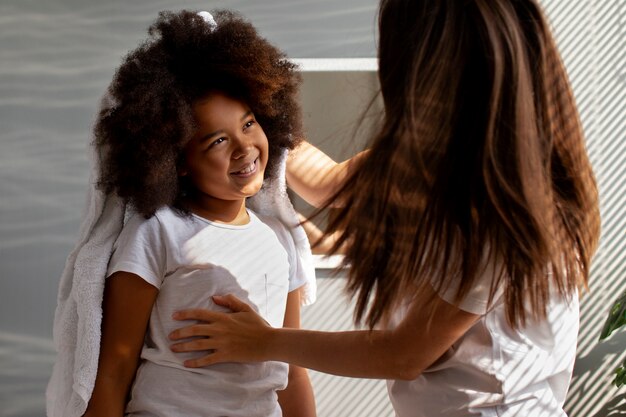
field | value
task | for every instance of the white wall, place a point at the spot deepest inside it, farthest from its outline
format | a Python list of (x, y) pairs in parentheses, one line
[(591, 37)]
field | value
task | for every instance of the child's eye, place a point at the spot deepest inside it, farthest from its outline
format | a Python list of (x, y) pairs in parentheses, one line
[(248, 124), (217, 142)]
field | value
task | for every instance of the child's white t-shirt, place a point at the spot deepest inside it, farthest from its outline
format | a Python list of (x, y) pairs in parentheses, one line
[(494, 370), (189, 259)]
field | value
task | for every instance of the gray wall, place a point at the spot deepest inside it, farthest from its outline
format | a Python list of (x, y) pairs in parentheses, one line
[(56, 58)]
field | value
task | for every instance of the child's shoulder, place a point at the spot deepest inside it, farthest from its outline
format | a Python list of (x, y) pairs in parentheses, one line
[(165, 217), (279, 228), (272, 222)]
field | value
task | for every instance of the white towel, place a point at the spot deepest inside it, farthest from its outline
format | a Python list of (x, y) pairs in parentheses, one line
[(78, 315), (273, 201)]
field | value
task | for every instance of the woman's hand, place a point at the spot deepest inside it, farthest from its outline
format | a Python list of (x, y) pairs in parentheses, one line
[(240, 336)]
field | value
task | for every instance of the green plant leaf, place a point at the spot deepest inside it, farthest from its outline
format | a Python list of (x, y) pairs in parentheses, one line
[(616, 319), (620, 375)]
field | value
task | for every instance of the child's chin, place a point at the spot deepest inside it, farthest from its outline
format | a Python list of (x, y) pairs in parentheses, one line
[(253, 189)]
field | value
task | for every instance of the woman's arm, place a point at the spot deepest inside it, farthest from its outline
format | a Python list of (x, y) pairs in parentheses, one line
[(297, 399), (400, 353), (315, 176), (127, 304), (320, 244)]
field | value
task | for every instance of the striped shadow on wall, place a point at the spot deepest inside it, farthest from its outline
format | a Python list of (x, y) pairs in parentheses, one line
[(591, 36)]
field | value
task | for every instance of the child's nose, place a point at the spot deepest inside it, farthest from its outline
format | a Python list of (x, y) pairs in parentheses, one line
[(243, 147)]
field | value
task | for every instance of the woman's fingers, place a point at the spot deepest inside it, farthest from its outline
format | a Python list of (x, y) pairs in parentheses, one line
[(210, 359), (191, 331), (200, 314), (237, 336), (193, 345), (231, 302)]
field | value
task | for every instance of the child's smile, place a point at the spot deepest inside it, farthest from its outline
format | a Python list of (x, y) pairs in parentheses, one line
[(248, 170), (225, 161)]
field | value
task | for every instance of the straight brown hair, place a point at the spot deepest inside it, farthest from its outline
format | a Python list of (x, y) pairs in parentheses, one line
[(480, 160)]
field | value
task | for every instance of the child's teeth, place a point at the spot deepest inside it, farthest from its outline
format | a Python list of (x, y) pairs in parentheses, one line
[(248, 169)]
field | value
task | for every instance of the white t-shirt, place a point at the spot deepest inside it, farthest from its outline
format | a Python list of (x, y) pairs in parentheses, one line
[(494, 370), (189, 259)]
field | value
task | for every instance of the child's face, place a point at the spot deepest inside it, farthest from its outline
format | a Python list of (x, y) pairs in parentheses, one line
[(226, 158)]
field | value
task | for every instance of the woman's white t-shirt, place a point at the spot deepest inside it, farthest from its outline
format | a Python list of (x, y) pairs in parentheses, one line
[(189, 259), (494, 370)]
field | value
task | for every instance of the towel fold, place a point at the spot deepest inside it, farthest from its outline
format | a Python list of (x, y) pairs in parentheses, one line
[(76, 329), (273, 201)]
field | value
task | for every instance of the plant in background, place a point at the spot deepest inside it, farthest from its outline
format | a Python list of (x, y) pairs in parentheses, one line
[(616, 319)]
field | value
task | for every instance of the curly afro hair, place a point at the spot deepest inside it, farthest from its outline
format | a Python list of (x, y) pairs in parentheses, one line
[(147, 119)]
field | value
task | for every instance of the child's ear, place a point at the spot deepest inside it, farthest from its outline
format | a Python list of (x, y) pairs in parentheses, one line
[(182, 171), (181, 166)]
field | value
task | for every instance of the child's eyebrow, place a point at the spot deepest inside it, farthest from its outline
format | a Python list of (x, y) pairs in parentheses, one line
[(217, 132), (210, 135)]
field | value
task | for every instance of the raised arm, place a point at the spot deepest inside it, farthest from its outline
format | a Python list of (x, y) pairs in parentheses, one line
[(127, 304), (315, 176)]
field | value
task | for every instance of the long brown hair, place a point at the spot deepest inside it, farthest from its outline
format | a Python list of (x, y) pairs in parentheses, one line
[(480, 160)]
